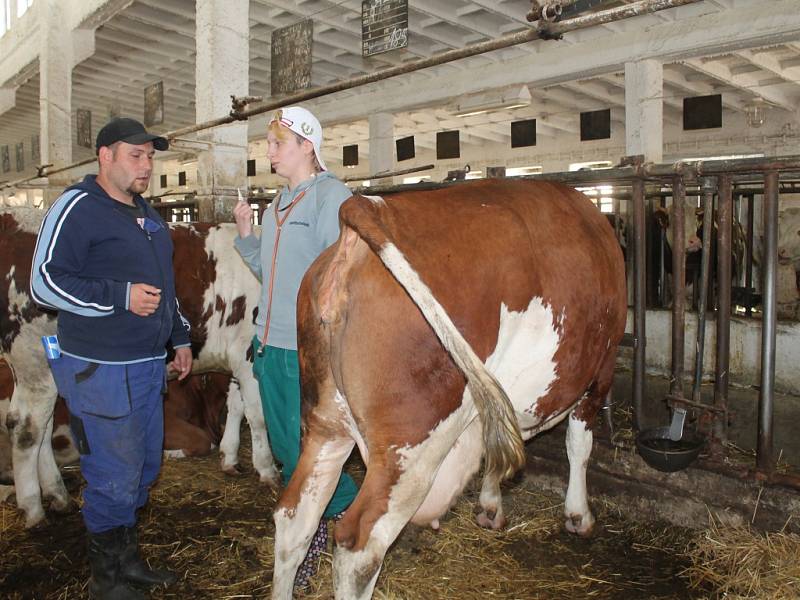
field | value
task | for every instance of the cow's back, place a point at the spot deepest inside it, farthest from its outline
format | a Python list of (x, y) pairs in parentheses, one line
[(483, 244)]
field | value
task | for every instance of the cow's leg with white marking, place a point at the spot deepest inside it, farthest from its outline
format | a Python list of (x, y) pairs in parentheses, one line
[(392, 493), (229, 444), (250, 401), (30, 412), (303, 502), (579, 446), (49, 475)]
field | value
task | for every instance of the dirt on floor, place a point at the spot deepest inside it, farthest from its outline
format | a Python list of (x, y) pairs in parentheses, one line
[(217, 532)]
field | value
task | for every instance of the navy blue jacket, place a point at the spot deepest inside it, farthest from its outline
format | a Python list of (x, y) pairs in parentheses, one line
[(89, 252)]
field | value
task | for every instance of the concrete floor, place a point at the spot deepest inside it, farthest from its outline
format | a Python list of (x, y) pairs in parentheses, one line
[(743, 405)]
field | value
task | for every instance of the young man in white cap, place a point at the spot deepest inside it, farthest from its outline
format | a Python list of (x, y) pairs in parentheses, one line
[(302, 221)]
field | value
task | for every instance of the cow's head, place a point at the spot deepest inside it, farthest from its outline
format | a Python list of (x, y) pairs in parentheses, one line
[(692, 226)]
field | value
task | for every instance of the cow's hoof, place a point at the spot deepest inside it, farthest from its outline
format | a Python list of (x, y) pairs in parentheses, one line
[(61, 505), (490, 520), (7, 493), (273, 480), (233, 470), (35, 520), (580, 525)]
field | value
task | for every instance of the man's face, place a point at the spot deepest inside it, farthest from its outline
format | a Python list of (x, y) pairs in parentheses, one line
[(288, 155), (129, 167)]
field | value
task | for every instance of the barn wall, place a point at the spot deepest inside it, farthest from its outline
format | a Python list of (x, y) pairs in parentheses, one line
[(745, 358)]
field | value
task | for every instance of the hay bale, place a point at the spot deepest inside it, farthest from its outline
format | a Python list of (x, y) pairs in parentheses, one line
[(739, 563)]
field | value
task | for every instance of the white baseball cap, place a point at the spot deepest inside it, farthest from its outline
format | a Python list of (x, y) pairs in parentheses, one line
[(304, 124)]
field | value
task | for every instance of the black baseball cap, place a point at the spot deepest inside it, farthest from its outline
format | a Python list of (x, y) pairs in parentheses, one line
[(130, 131)]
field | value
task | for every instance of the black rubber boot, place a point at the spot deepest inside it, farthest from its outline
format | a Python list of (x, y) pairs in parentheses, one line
[(104, 552), (134, 569)]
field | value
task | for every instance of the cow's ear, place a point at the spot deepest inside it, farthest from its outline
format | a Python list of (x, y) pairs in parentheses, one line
[(662, 217)]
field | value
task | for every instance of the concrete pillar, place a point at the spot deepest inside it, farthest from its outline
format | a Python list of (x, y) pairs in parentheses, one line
[(222, 65), (55, 93), (644, 109), (381, 145)]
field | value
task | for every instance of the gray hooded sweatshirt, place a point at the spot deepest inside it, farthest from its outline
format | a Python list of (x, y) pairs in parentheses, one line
[(312, 226)]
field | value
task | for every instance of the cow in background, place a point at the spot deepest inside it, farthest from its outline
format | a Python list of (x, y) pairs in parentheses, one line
[(218, 295), (693, 225), (788, 268), (445, 326)]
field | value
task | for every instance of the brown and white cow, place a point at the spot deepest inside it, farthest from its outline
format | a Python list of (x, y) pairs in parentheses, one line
[(194, 413), (442, 327), (217, 293)]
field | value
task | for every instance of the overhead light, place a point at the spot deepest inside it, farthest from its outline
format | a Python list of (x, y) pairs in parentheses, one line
[(491, 101), (755, 112)]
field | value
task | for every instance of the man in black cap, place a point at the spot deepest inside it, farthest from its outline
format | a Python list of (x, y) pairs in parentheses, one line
[(103, 260)]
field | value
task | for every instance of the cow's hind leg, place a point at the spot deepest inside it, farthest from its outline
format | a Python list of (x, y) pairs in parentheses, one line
[(385, 504), (229, 444), (579, 446), (303, 502), (49, 475), (29, 414)]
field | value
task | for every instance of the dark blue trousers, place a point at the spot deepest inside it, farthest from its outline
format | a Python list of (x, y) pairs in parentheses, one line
[(117, 420)]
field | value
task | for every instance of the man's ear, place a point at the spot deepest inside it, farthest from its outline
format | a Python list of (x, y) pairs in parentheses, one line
[(105, 154)]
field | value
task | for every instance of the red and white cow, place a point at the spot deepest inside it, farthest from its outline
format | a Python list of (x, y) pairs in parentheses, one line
[(194, 413), (444, 326), (217, 292)]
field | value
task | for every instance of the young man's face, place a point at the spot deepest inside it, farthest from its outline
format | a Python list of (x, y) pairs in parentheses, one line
[(288, 155), (129, 167)]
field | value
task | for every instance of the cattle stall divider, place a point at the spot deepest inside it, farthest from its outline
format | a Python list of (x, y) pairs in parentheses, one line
[(708, 179)]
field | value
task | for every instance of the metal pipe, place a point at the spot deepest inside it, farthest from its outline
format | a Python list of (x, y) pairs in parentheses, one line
[(678, 284), (390, 173), (639, 308), (765, 459), (544, 31), (709, 184), (724, 240), (748, 261)]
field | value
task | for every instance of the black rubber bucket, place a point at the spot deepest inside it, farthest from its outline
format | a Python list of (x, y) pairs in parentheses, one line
[(664, 454)]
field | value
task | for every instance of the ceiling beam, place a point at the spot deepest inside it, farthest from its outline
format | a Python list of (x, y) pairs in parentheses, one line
[(748, 83), (671, 41)]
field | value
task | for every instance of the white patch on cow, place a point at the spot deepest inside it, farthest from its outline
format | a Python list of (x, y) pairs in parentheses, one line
[(171, 454), (523, 361), (28, 219), (376, 200), (346, 419)]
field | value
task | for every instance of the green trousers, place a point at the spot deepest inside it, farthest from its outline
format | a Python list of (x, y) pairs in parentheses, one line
[(278, 375)]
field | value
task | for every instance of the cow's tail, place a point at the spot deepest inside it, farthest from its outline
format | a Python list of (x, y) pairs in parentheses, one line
[(501, 435)]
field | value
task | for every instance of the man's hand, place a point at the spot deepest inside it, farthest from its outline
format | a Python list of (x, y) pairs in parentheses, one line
[(182, 364), (144, 299), (244, 218)]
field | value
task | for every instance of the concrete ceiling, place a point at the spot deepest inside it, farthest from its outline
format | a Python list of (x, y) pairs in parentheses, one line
[(154, 40)]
